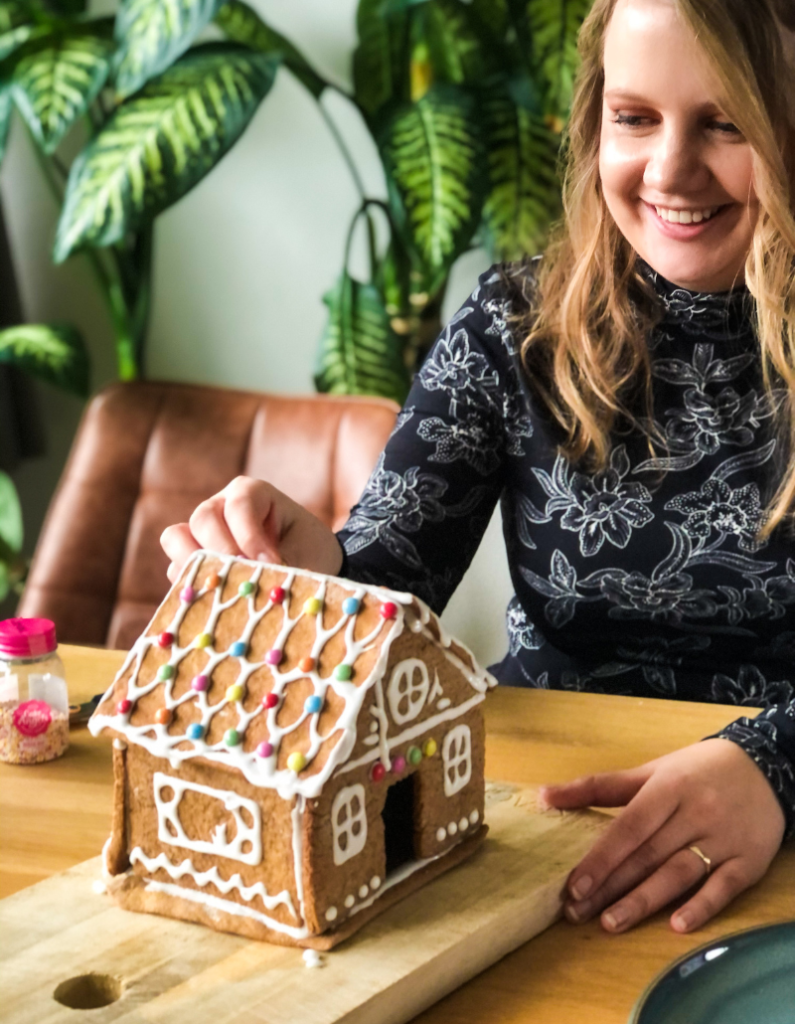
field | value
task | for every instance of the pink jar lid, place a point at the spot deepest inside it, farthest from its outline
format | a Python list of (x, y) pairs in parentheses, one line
[(27, 638)]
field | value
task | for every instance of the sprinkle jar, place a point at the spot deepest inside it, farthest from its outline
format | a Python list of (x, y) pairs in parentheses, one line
[(34, 703)]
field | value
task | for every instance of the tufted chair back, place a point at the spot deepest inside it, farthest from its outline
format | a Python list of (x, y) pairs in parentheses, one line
[(147, 453)]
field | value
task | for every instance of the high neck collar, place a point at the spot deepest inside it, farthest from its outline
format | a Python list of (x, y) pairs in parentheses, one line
[(716, 314)]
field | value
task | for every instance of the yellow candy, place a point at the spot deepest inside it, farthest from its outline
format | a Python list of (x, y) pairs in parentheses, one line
[(234, 693), (312, 606), (429, 748), (296, 761), (204, 640)]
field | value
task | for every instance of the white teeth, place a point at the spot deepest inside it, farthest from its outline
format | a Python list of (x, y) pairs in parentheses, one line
[(685, 216)]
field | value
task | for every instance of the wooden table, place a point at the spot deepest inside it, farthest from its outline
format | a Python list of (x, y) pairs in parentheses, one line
[(56, 815)]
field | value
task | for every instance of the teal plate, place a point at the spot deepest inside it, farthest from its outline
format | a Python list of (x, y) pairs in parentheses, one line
[(747, 978)]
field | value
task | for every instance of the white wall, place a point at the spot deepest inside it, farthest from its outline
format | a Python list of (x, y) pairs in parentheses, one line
[(241, 265)]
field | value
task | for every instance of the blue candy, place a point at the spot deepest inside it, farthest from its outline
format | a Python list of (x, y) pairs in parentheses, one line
[(350, 605), (238, 649), (313, 704), (194, 731)]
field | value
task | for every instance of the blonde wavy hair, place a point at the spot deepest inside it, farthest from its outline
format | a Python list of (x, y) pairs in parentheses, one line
[(585, 346)]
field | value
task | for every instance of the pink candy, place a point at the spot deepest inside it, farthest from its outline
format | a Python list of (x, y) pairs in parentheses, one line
[(274, 656), (264, 750), (187, 594), (398, 764), (199, 683)]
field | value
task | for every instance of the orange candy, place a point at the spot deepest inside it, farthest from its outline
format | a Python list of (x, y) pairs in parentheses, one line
[(162, 716), (212, 581), (306, 664)]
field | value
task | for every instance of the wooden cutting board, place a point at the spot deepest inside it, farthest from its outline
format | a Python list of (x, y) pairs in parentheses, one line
[(160, 971)]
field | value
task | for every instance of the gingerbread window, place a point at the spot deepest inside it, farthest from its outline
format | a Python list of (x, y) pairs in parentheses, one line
[(457, 759), (348, 823), (408, 690)]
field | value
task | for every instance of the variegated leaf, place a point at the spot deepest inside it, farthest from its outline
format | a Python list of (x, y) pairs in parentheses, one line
[(55, 78), (554, 25), (524, 190), (241, 24), (457, 51), (381, 57), (152, 34), (55, 354), (359, 354), (17, 24), (434, 162), (161, 142)]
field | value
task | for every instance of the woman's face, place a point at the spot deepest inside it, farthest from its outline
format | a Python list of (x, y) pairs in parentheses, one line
[(676, 174)]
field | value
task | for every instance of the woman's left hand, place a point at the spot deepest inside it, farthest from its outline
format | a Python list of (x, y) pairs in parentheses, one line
[(710, 795)]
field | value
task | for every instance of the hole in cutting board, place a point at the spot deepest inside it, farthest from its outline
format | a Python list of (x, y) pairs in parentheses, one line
[(88, 991)]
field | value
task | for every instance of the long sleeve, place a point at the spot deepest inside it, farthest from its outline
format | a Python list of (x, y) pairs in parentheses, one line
[(426, 506)]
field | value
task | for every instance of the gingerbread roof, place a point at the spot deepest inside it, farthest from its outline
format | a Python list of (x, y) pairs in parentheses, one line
[(266, 669)]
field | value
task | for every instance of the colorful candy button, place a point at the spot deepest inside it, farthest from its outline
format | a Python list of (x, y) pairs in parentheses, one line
[(296, 761), (274, 656), (124, 706), (162, 716), (194, 731), (312, 606), (165, 672), (343, 673), (313, 704), (212, 581), (235, 692), (278, 595), (204, 640), (270, 700), (399, 764), (306, 664), (350, 605), (238, 649), (377, 772), (199, 683), (246, 589), (231, 737), (388, 610), (264, 750), (415, 755), (187, 594), (165, 639), (429, 748)]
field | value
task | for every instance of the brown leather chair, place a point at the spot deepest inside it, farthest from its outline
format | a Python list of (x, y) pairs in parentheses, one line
[(147, 453)]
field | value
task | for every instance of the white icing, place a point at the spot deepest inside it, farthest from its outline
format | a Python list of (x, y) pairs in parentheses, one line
[(226, 906), (349, 901), (408, 690), (452, 828), (119, 744), (457, 758), (331, 914), (235, 849), (441, 834), (363, 891), (348, 823), (296, 816), (312, 958), (463, 824), (98, 886), (213, 877), (375, 881), (444, 703), (473, 817)]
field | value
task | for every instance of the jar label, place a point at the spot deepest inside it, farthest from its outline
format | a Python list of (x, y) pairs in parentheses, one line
[(32, 718)]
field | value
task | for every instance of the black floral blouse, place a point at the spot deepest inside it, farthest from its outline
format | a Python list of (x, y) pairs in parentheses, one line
[(643, 579)]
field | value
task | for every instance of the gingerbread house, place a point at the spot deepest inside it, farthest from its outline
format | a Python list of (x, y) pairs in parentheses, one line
[(292, 753)]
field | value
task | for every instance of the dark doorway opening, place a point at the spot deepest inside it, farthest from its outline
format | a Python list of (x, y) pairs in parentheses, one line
[(398, 815)]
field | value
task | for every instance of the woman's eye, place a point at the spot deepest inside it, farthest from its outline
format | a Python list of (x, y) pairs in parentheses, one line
[(631, 120), (725, 126)]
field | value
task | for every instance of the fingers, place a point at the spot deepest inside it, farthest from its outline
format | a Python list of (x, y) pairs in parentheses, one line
[(678, 874), (610, 789), (251, 515), (179, 544), (726, 881), (646, 812)]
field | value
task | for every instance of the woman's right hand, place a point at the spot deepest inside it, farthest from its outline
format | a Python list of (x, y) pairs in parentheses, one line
[(253, 519)]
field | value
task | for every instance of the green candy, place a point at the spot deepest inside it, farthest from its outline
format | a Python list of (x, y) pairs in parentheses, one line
[(415, 755), (343, 672), (165, 672), (231, 737), (246, 588)]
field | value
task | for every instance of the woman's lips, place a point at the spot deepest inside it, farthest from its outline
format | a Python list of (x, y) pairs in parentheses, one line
[(683, 232)]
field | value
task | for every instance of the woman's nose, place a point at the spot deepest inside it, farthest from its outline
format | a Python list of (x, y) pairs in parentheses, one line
[(676, 165)]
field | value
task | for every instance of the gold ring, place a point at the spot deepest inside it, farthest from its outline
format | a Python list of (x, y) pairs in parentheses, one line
[(703, 856)]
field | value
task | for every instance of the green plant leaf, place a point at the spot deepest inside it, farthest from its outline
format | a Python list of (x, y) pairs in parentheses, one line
[(17, 24), (434, 162), (381, 57), (554, 25), (11, 530), (161, 142), (56, 77), (359, 354), (241, 24), (56, 354), (524, 190), (152, 34), (5, 119), (457, 51)]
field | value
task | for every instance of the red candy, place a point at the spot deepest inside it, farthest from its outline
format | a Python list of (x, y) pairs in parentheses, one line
[(124, 706), (377, 772), (270, 700), (278, 595), (165, 639), (388, 610)]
